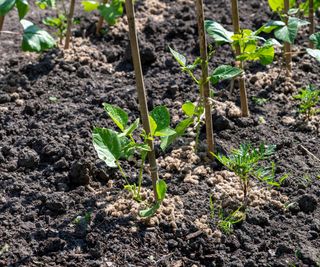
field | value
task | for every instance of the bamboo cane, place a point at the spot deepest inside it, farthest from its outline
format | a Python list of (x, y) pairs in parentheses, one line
[(1, 23), (287, 46), (243, 91), (141, 92), (100, 21), (69, 24), (205, 90), (311, 20)]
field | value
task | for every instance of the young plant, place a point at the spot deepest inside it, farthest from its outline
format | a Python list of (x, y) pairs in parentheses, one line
[(195, 111), (59, 23), (315, 51), (69, 24), (287, 28), (112, 147), (34, 39), (226, 221), (246, 161), (309, 100), (110, 11), (248, 45)]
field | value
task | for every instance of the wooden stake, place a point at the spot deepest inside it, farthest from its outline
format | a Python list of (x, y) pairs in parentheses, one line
[(205, 90), (141, 92), (287, 46), (69, 24), (311, 20), (100, 21), (243, 91), (1, 23)]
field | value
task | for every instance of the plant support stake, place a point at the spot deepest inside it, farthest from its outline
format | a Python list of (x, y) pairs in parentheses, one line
[(311, 20), (69, 25), (141, 92), (204, 83), (287, 46), (1, 23), (243, 91), (100, 21)]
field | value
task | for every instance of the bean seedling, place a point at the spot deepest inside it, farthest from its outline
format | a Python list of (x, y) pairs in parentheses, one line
[(315, 51), (112, 146), (309, 98), (196, 110), (246, 161)]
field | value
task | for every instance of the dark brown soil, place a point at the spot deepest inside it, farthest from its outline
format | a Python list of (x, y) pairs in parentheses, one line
[(49, 104)]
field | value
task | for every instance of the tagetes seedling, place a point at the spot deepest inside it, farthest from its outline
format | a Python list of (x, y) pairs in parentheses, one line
[(195, 111), (112, 147), (309, 100), (246, 161)]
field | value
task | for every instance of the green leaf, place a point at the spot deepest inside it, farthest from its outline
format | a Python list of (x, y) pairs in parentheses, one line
[(89, 6), (180, 130), (23, 8), (6, 6), (264, 54), (181, 59), (132, 127), (289, 32), (161, 116), (270, 26), (153, 125), (188, 108), (219, 34), (165, 132), (107, 144), (35, 39), (111, 11), (224, 72), (43, 4), (150, 211), (314, 53), (161, 188), (278, 5), (315, 38), (118, 115)]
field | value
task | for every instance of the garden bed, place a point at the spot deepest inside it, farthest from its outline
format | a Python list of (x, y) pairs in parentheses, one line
[(50, 103)]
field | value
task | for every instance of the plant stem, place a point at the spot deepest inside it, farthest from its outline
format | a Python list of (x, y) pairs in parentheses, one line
[(1, 23), (204, 84), (69, 24), (100, 21), (287, 46), (122, 172), (243, 91), (141, 93), (311, 21), (143, 158)]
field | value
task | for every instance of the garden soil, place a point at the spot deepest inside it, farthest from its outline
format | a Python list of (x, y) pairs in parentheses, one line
[(61, 206)]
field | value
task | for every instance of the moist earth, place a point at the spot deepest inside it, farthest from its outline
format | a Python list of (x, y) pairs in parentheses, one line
[(61, 206)]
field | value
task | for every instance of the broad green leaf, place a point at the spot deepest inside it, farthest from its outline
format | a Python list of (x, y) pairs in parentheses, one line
[(107, 145), (132, 127), (165, 132), (6, 6), (315, 38), (314, 53), (35, 39), (150, 211), (181, 59), (89, 6), (43, 4), (278, 5), (289, 32), (161, 188), (188, 108), (153, 125), (219, 34), (23, 8), (111, 11), (161, 116), (180, 130), (128, 147), (264, 54), (270, 26), (224, 72), (118, 115)]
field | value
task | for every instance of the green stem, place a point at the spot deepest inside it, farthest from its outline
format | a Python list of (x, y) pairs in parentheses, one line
[(122, 172), (193, 77), (143, 158)]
